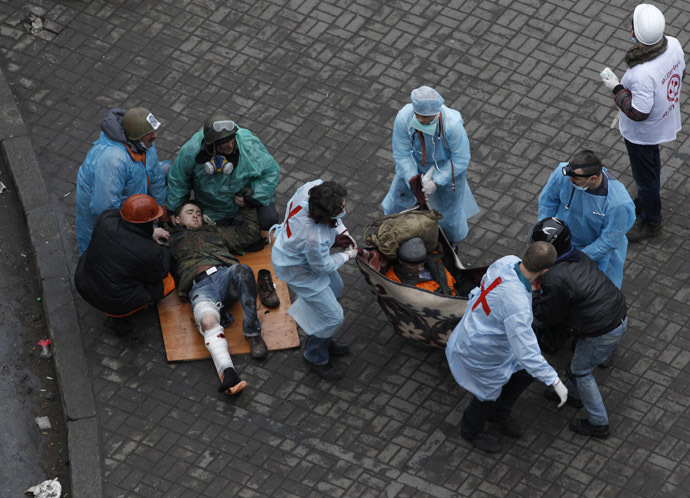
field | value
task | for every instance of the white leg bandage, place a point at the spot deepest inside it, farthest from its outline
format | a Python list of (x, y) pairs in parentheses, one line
[(217, 345), (206, 308)]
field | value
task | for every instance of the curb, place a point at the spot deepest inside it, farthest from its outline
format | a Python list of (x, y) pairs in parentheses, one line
[(58, 305)]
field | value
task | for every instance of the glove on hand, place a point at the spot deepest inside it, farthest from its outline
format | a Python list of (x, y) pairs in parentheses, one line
[(428, 186), (611, 83), (351, 253), (562, 392)]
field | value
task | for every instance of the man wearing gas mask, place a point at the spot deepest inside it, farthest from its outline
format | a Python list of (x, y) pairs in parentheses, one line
[(228, 168)]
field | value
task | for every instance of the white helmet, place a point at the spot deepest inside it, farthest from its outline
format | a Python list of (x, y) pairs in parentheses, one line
[(648, 23)]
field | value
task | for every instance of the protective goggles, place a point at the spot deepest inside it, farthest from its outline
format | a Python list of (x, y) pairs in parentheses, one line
[(226, 125), (588, 170)]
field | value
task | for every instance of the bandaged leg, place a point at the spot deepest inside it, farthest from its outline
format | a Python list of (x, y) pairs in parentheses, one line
[(217, 345), (207, 317), (206, 311), (206, 306)]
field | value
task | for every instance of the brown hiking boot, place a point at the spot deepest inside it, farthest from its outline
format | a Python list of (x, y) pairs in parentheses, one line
[(257, 347), (267, 291), (643, 230)]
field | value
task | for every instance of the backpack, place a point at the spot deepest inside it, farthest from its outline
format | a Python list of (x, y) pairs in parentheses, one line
[(389, 232)]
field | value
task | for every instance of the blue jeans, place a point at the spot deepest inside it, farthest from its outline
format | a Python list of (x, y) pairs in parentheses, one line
[(645, 163), (316, 350), (589, 353), (224, 288)]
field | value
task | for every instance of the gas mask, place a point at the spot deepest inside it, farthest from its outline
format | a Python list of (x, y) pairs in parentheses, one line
[(218, 164)]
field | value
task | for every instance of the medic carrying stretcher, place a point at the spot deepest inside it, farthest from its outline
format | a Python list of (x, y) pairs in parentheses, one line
[(416, 313)]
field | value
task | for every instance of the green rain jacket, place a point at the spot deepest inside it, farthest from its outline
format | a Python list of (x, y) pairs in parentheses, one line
[(216, 192)]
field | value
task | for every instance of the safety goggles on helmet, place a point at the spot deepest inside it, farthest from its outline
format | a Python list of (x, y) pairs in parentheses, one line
[(588, 169), (226, 125)]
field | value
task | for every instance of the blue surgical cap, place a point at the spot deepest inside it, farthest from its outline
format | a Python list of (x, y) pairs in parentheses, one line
[(426, 101)]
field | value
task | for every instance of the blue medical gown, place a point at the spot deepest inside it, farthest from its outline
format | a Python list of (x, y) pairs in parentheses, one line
[(484, 350), (302, 257), (598, 224), (107, 177), (457, 206)]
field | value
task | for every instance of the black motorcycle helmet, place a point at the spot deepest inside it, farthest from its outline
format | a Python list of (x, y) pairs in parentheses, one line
[(553, 231)]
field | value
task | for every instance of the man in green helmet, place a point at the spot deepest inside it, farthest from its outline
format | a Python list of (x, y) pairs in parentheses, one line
[(121, 163), (228, 168)]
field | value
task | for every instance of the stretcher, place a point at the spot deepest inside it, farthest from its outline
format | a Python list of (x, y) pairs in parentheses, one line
[(416, 313), (183, 342)]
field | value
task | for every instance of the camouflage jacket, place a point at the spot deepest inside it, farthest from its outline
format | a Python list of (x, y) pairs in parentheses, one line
[(209, 246)]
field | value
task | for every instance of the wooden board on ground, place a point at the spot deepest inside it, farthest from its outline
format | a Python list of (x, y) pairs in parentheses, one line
[(184, 343)]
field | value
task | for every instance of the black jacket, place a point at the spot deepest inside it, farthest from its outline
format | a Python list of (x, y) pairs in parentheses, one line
[(123, 267), (577, 299)]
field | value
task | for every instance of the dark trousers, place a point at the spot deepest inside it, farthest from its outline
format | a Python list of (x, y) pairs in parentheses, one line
[(478, 412), (268, 216), (645, 163)]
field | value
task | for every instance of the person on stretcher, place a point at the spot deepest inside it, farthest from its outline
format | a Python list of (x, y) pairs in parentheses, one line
[(426, 271)]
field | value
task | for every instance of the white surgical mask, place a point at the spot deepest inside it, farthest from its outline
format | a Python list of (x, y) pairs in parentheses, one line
[(340, 216), (582, 187), (143, 145)]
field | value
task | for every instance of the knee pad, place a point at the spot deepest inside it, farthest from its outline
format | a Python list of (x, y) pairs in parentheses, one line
[(206, 308)]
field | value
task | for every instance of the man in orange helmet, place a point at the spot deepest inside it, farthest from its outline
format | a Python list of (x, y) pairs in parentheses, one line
[(125, 268)]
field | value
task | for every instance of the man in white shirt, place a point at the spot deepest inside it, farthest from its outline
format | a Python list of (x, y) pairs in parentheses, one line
[(648, 99)]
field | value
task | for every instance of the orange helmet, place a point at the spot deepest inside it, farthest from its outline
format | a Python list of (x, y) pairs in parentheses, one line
[(140, 208)]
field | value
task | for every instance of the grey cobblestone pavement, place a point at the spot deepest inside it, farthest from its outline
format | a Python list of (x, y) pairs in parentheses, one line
[(320, 82)]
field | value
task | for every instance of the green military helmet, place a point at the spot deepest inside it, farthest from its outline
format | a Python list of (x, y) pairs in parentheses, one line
[(138, 122), (217, 127)]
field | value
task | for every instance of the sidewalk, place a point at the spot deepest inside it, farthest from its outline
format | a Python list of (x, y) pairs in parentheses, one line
[(320, 83)]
